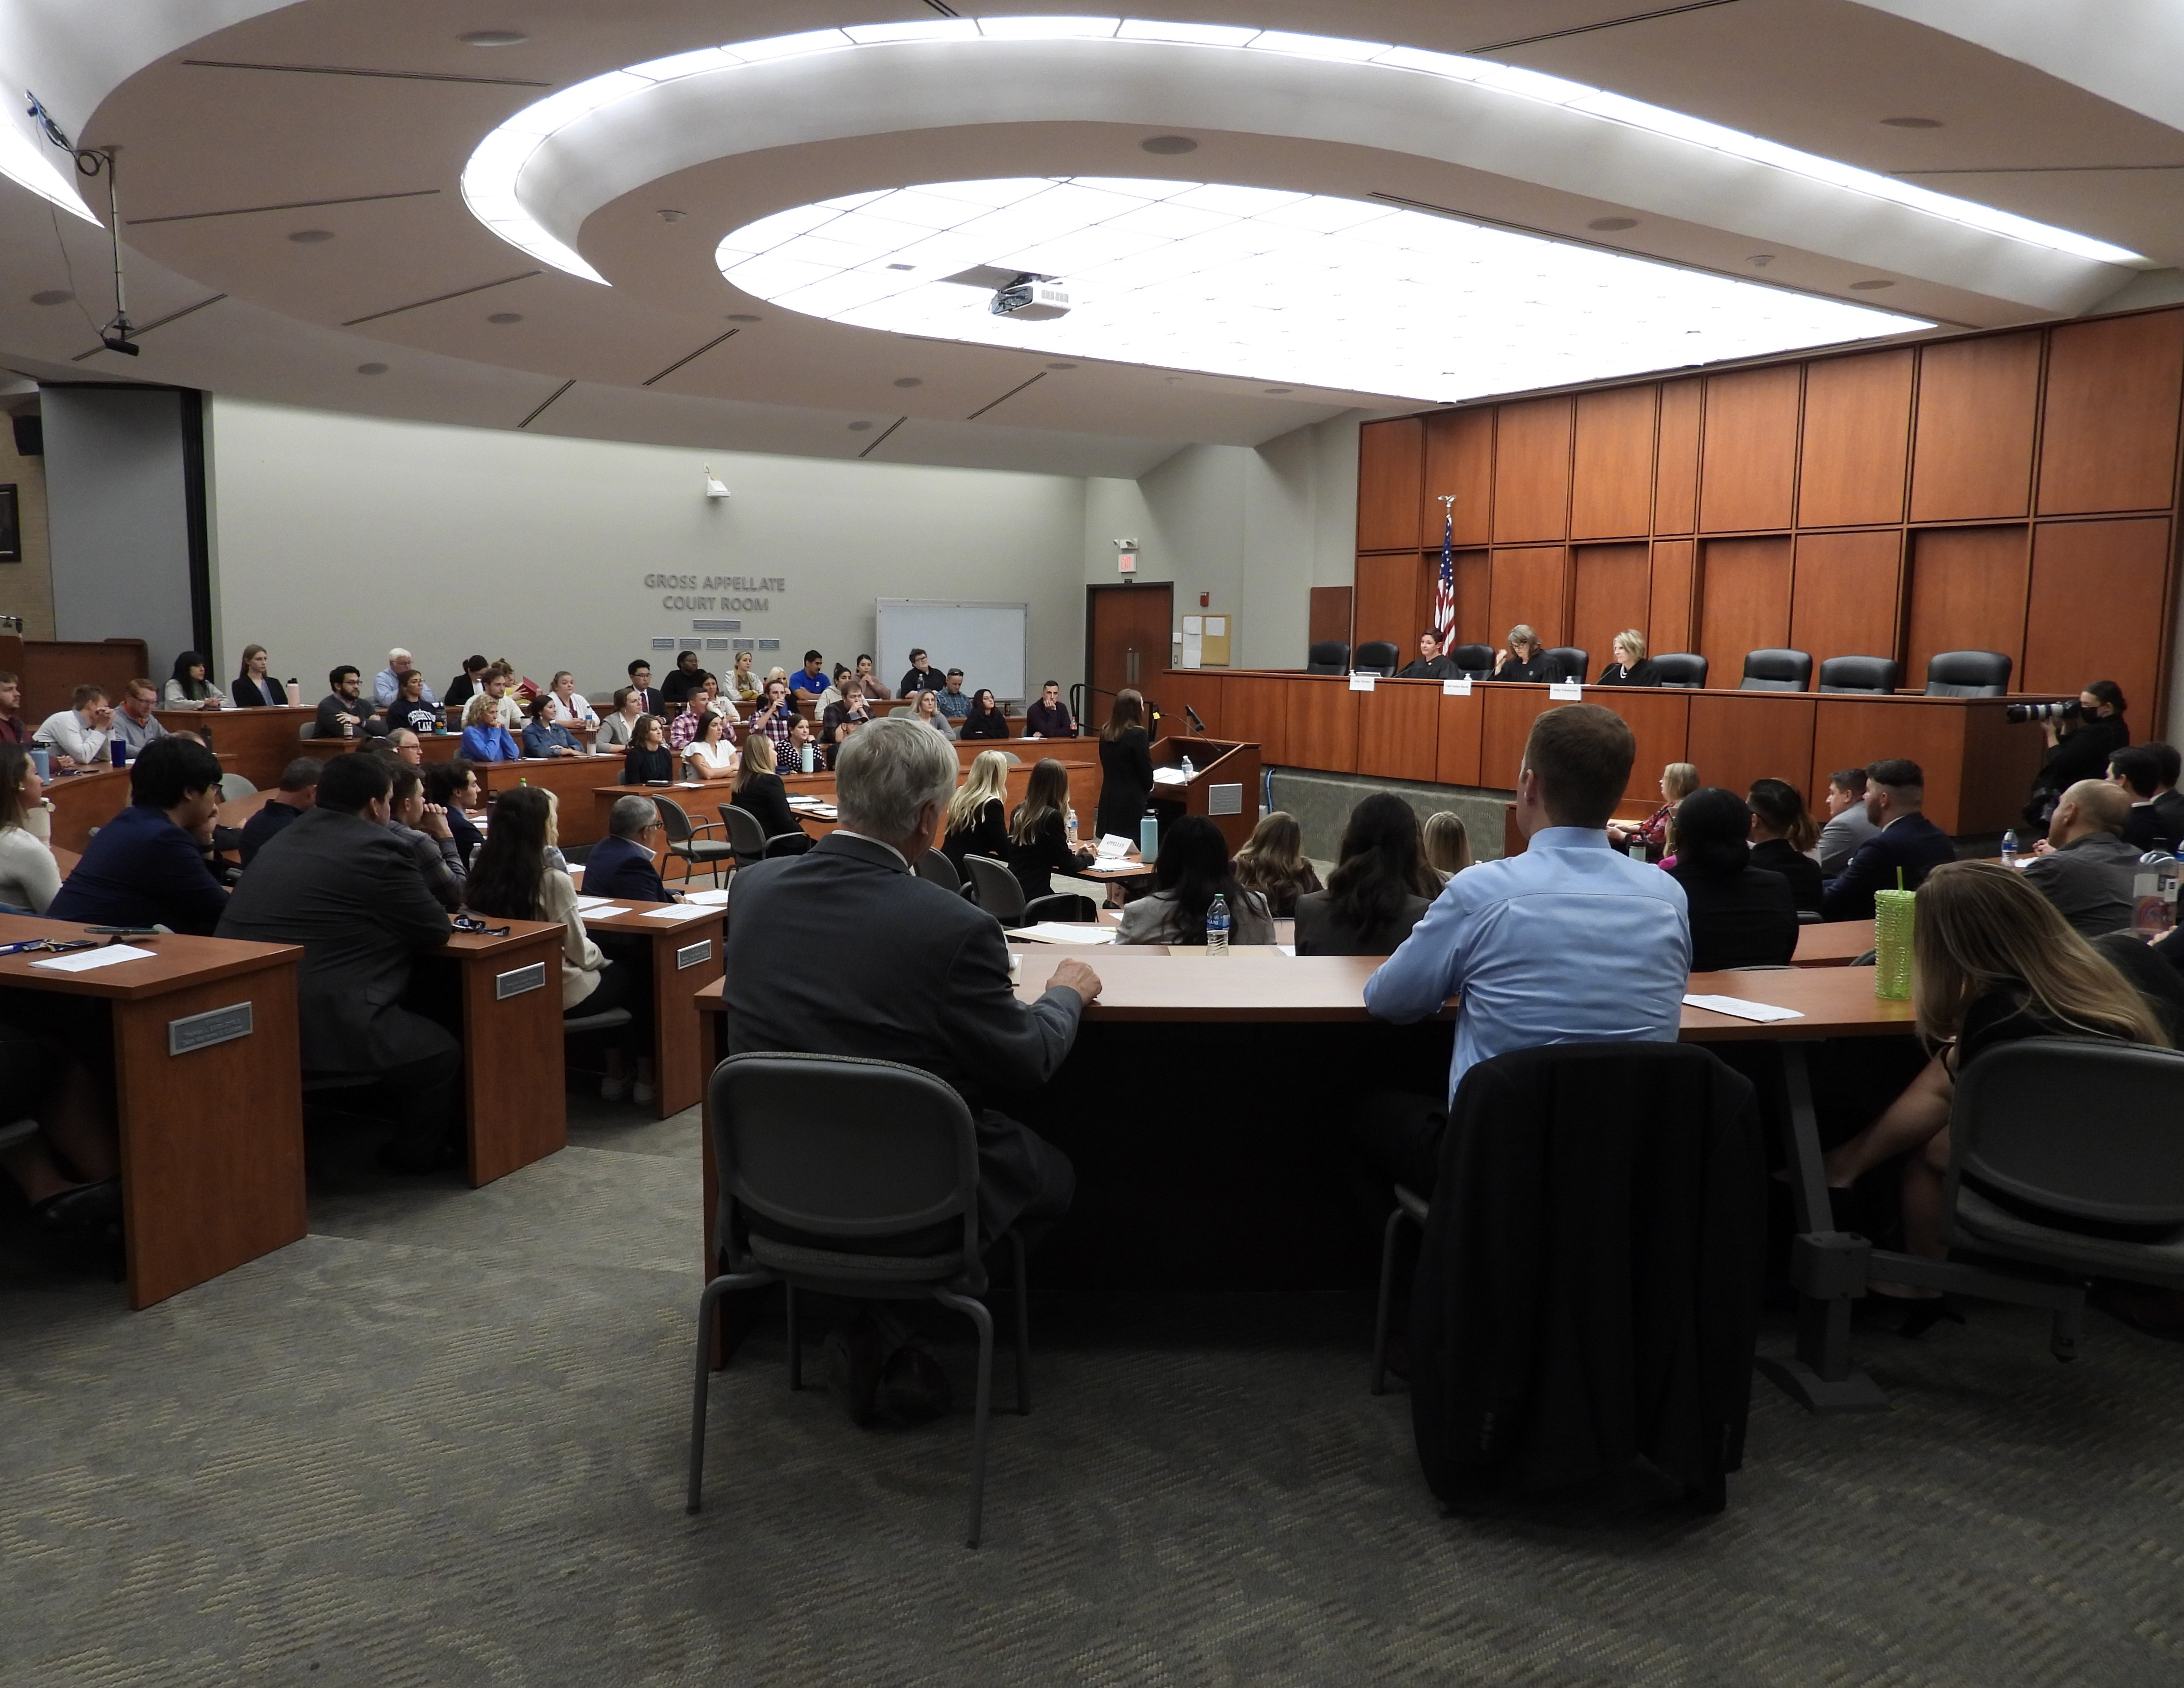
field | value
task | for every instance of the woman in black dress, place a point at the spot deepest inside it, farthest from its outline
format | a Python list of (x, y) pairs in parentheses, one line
[(648, 762), (1126, 766), (1524, 658), (1742, 915), (1782, 831), (986, 719), (1039, 832)]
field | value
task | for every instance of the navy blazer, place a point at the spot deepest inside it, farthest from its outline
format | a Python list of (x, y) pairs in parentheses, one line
[(1910, 842), (142, 870), (623, 867)]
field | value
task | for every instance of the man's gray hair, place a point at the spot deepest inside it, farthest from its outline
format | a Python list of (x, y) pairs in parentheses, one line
[(885, 772), (631, 815)]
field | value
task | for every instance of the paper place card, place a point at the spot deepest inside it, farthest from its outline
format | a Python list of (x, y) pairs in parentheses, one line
[(674, 911), (1765, 1012), (83, 960), (608, 911), (1061, 932), (1113, 846), (1565, 691), (1456, 688), (1362, 682)]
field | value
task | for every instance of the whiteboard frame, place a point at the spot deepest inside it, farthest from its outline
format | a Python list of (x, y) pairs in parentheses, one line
[(882, 605)]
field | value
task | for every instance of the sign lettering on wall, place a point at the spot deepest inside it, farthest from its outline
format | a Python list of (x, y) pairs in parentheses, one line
[(714, 592)]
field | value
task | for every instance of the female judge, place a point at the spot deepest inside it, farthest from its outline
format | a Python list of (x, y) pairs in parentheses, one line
[(1523, 659), (1631, 666)]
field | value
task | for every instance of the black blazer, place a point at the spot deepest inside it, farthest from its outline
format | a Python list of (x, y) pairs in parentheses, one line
[(995, 725), (1535, 669), (1322, 929), (1047, 853), (265, 826), (641, 768), (248, 694), (1746, 919), (987, 835), (2158, 825), (857, 923), (1911, 842), (1803, 872), (1642, 672), (765, 800), (1126, 782), (2083, 754), (349, 892)]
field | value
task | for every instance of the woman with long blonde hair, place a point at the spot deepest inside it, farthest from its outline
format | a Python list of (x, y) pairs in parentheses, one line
[(1992, 962), (1448, 844), (1679, 780), (977, 814)]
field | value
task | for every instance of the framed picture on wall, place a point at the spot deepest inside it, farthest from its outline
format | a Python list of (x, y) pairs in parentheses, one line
[(11, 526)]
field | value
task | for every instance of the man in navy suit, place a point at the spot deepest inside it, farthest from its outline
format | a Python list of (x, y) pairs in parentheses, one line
[(1894, 791)]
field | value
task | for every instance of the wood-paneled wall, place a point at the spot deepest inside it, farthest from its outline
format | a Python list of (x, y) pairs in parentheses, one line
[(2016, 491)]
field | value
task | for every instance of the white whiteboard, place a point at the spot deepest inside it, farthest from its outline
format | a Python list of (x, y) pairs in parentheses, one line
[(988, 642)]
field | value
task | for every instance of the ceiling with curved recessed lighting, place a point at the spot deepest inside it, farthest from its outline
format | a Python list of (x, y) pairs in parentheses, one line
[(524, 214)]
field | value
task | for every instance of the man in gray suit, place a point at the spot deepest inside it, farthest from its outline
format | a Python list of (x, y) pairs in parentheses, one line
[(1848, 825), (794, 926), (337, 882)]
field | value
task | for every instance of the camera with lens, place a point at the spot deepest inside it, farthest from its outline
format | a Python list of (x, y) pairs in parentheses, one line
[(2070, 710)]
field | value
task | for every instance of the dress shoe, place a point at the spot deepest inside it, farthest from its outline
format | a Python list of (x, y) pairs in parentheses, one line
[(854, 1364), (913, 1389), (88, 1208)]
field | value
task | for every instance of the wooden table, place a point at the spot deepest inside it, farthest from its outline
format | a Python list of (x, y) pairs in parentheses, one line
[(572, 779), (685, 954), (1833, 943), (208, 1093), (516, 1104), (262, 741)]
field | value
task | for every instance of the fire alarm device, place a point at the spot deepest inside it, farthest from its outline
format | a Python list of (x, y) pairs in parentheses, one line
[(1127, 561)]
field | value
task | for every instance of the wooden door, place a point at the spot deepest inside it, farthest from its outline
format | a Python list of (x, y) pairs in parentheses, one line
[(1126, 640)]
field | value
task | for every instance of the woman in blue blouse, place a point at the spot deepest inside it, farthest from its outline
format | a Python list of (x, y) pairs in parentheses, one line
[(545, 736), (484, 738)]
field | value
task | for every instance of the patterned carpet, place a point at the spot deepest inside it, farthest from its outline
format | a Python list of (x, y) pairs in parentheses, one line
[(440, 1441)]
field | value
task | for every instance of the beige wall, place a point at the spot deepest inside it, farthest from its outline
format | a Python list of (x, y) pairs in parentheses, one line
[(26, 588)]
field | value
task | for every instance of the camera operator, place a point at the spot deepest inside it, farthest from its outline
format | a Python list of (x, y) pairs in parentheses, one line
[(2079, 746)]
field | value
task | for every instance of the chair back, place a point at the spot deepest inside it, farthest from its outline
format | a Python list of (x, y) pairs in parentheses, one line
[(1776, 670), (1328, 656), (674, 820), (937, 867), (1476, 661), (995, 888), (1068, 906), (2024, 1123), (1376, 657), (1967, 674), (745, 836), (232, 786), (1859, 674), (1684, 668), (1568, 662), (843, 1148)]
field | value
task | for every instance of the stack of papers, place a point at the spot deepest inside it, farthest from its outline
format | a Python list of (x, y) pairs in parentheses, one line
[(586, 905), (83, 960), (603, 910), (1765, 1012), (672, 911), (1063, 932), (1170, 776), (709, 900)]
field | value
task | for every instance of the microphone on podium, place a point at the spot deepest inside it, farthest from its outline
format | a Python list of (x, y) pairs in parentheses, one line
[(1196, 725)]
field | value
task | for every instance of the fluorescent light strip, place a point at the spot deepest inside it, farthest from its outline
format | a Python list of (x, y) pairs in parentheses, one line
[(1303, 289), (490, 180)]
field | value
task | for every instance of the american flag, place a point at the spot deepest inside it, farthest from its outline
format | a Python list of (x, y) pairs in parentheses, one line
[(1444, 609)]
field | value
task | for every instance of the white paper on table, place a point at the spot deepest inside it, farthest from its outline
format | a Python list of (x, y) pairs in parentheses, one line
[(1099, 870), (805, 801), (83, 960), (1565, 691), (1456, 688), (603, 910), (708, 899), (1362, 682), (1113, 845), (675, 911), (586, 905), (1061, 932), (1170, 776), (1736, 1006)]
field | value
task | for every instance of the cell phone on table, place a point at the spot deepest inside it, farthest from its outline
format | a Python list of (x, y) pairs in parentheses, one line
[(110, 932)]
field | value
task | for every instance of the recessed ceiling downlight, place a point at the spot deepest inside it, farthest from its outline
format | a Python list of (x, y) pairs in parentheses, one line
[(1297, 288)]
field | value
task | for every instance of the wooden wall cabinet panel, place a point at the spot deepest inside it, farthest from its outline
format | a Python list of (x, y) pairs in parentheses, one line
[(1967, 593), (1503, 729), (1972, 444), (1387, 601), (1329, 617), (1676, 459), (1322, 725), (1399, 729), (1196, 686), (1459, 459), (1528, 585), (1531, 471), (1668, 615), (1749, 461), (2108, 435), (1849, 732), (1856, 440), (1256, 712), (1744, 592), (1660, 720), (1846, 595), (1754, 735), (1612, 475), (1613, 590), (1456, 752), (1475, 592), (1389, 465), (2095, 611)]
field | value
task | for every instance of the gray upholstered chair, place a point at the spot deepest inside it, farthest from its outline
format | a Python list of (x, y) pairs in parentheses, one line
[(995, 889)]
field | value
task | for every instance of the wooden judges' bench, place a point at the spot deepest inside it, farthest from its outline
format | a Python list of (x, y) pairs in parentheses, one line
[(1978, 765)]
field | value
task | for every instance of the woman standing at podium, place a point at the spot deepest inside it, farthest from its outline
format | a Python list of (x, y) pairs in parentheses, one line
[(1126, 766)]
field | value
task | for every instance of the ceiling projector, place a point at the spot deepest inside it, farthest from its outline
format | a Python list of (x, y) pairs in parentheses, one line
[(1031, 298)]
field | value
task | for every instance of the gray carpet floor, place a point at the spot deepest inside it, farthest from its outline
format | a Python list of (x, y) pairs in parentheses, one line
[(440, 1441)]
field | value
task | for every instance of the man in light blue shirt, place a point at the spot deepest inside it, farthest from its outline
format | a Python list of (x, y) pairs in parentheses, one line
[(387, 684), (1571, 942)]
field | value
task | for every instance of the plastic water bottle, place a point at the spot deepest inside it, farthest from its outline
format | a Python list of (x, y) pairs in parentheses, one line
[(1216, 926), (2153, 895), (1187, 771), (2009, 849), (1073, 824)]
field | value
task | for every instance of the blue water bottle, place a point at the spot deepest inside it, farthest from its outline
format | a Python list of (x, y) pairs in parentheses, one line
[(1216, 926), (1148, 837)]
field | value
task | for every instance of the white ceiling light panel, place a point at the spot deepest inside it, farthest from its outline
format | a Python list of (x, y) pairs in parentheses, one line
[(1299, 288)]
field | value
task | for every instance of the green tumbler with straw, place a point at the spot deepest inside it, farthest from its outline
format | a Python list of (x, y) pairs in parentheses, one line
[(1893, 912)]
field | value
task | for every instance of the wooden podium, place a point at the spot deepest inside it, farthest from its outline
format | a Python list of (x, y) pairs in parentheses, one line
[(1223, 785)]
